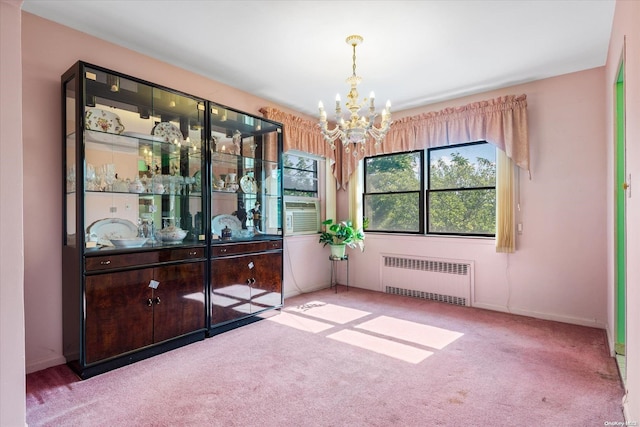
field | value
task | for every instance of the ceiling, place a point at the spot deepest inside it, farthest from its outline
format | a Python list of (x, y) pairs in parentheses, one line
[(294, 52)]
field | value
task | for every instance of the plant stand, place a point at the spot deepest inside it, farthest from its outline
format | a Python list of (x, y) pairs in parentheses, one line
[(334, 270)]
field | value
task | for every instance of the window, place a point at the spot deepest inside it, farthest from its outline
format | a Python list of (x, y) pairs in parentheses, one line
[(455, 194), (461, 195), (393, 192), (300, 175)]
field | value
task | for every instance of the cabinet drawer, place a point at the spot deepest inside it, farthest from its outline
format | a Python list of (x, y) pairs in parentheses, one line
[(180, 254), (107, 262), (238, 248), (244, 248), (275, 244)]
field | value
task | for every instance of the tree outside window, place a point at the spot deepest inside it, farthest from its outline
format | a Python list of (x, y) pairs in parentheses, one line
[(300, 175), (459, 185)]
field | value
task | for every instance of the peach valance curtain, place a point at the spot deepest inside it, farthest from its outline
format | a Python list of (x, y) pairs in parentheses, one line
[(501, 121), (300, 134)]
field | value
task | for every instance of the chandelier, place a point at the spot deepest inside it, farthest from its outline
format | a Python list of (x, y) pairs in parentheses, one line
[(355, 129)]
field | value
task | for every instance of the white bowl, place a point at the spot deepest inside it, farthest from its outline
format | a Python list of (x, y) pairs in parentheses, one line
[(171, 234), (132, 242)]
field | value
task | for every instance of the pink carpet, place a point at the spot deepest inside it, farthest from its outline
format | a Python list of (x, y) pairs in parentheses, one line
[(355, 358)]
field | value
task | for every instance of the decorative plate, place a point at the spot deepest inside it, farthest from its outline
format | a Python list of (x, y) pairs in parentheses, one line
[(168, 132), (102, 121), (218, 223), (248, 184), (112, 228)]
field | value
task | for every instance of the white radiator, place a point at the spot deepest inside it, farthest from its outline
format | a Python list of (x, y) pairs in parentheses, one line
[(449, 281)]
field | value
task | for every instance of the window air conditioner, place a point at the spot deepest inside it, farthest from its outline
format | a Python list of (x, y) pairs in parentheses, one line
[(302, 217)]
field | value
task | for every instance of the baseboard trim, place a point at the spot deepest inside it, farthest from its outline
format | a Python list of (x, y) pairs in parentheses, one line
[(610, 342), (625, 407), (44, 364), (297, 291), (593, 323)]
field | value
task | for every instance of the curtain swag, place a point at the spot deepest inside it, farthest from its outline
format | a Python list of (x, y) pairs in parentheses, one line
[(302, 135), (501, 121)]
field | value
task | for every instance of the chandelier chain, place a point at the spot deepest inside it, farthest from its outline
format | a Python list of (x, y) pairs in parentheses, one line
[(354, 60)]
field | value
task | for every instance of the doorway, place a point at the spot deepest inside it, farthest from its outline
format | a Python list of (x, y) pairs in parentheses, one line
[(621, 186)]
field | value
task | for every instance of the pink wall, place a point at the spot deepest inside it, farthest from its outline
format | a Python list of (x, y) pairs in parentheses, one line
[(12, 331), (559, 269), (625, 25)]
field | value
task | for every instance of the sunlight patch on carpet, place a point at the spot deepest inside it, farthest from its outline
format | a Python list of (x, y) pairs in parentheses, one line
[(429, 336), (383, 346), (331, 312), (301, 323)]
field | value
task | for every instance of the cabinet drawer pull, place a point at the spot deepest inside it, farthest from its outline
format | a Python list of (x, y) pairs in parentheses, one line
[(107, 262), (223, 250), (149, 302), (192, 253)]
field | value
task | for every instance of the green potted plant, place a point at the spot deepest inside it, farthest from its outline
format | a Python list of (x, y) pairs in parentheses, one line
[(339, 235)]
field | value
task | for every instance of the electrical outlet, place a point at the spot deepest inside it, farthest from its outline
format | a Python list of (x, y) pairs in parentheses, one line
[(520, 228)]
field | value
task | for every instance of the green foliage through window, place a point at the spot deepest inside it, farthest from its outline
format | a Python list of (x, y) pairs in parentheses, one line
[(393, 193), (454, 194), (461, 195), (300, 175)]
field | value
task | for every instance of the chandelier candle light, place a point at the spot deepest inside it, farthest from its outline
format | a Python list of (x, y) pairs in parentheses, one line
[(356, 129)]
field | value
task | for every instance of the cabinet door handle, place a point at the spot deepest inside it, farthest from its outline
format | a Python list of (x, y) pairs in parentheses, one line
[(157, 300), (149, 302), (251, 281), (107, 262)]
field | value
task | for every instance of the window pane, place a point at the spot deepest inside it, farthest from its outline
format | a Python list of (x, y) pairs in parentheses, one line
[(467, 166), (299, 162), (398, 172), (462, 212), (300, 176), (300, 180), (393, 212)]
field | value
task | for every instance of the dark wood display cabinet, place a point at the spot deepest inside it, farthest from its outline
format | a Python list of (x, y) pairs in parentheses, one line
[(155, 183)]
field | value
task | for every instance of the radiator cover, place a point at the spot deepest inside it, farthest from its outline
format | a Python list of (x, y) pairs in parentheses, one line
[(449, 281)]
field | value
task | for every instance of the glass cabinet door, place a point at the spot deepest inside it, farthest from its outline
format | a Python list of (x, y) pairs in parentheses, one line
[(143, 159), (246, 182)]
